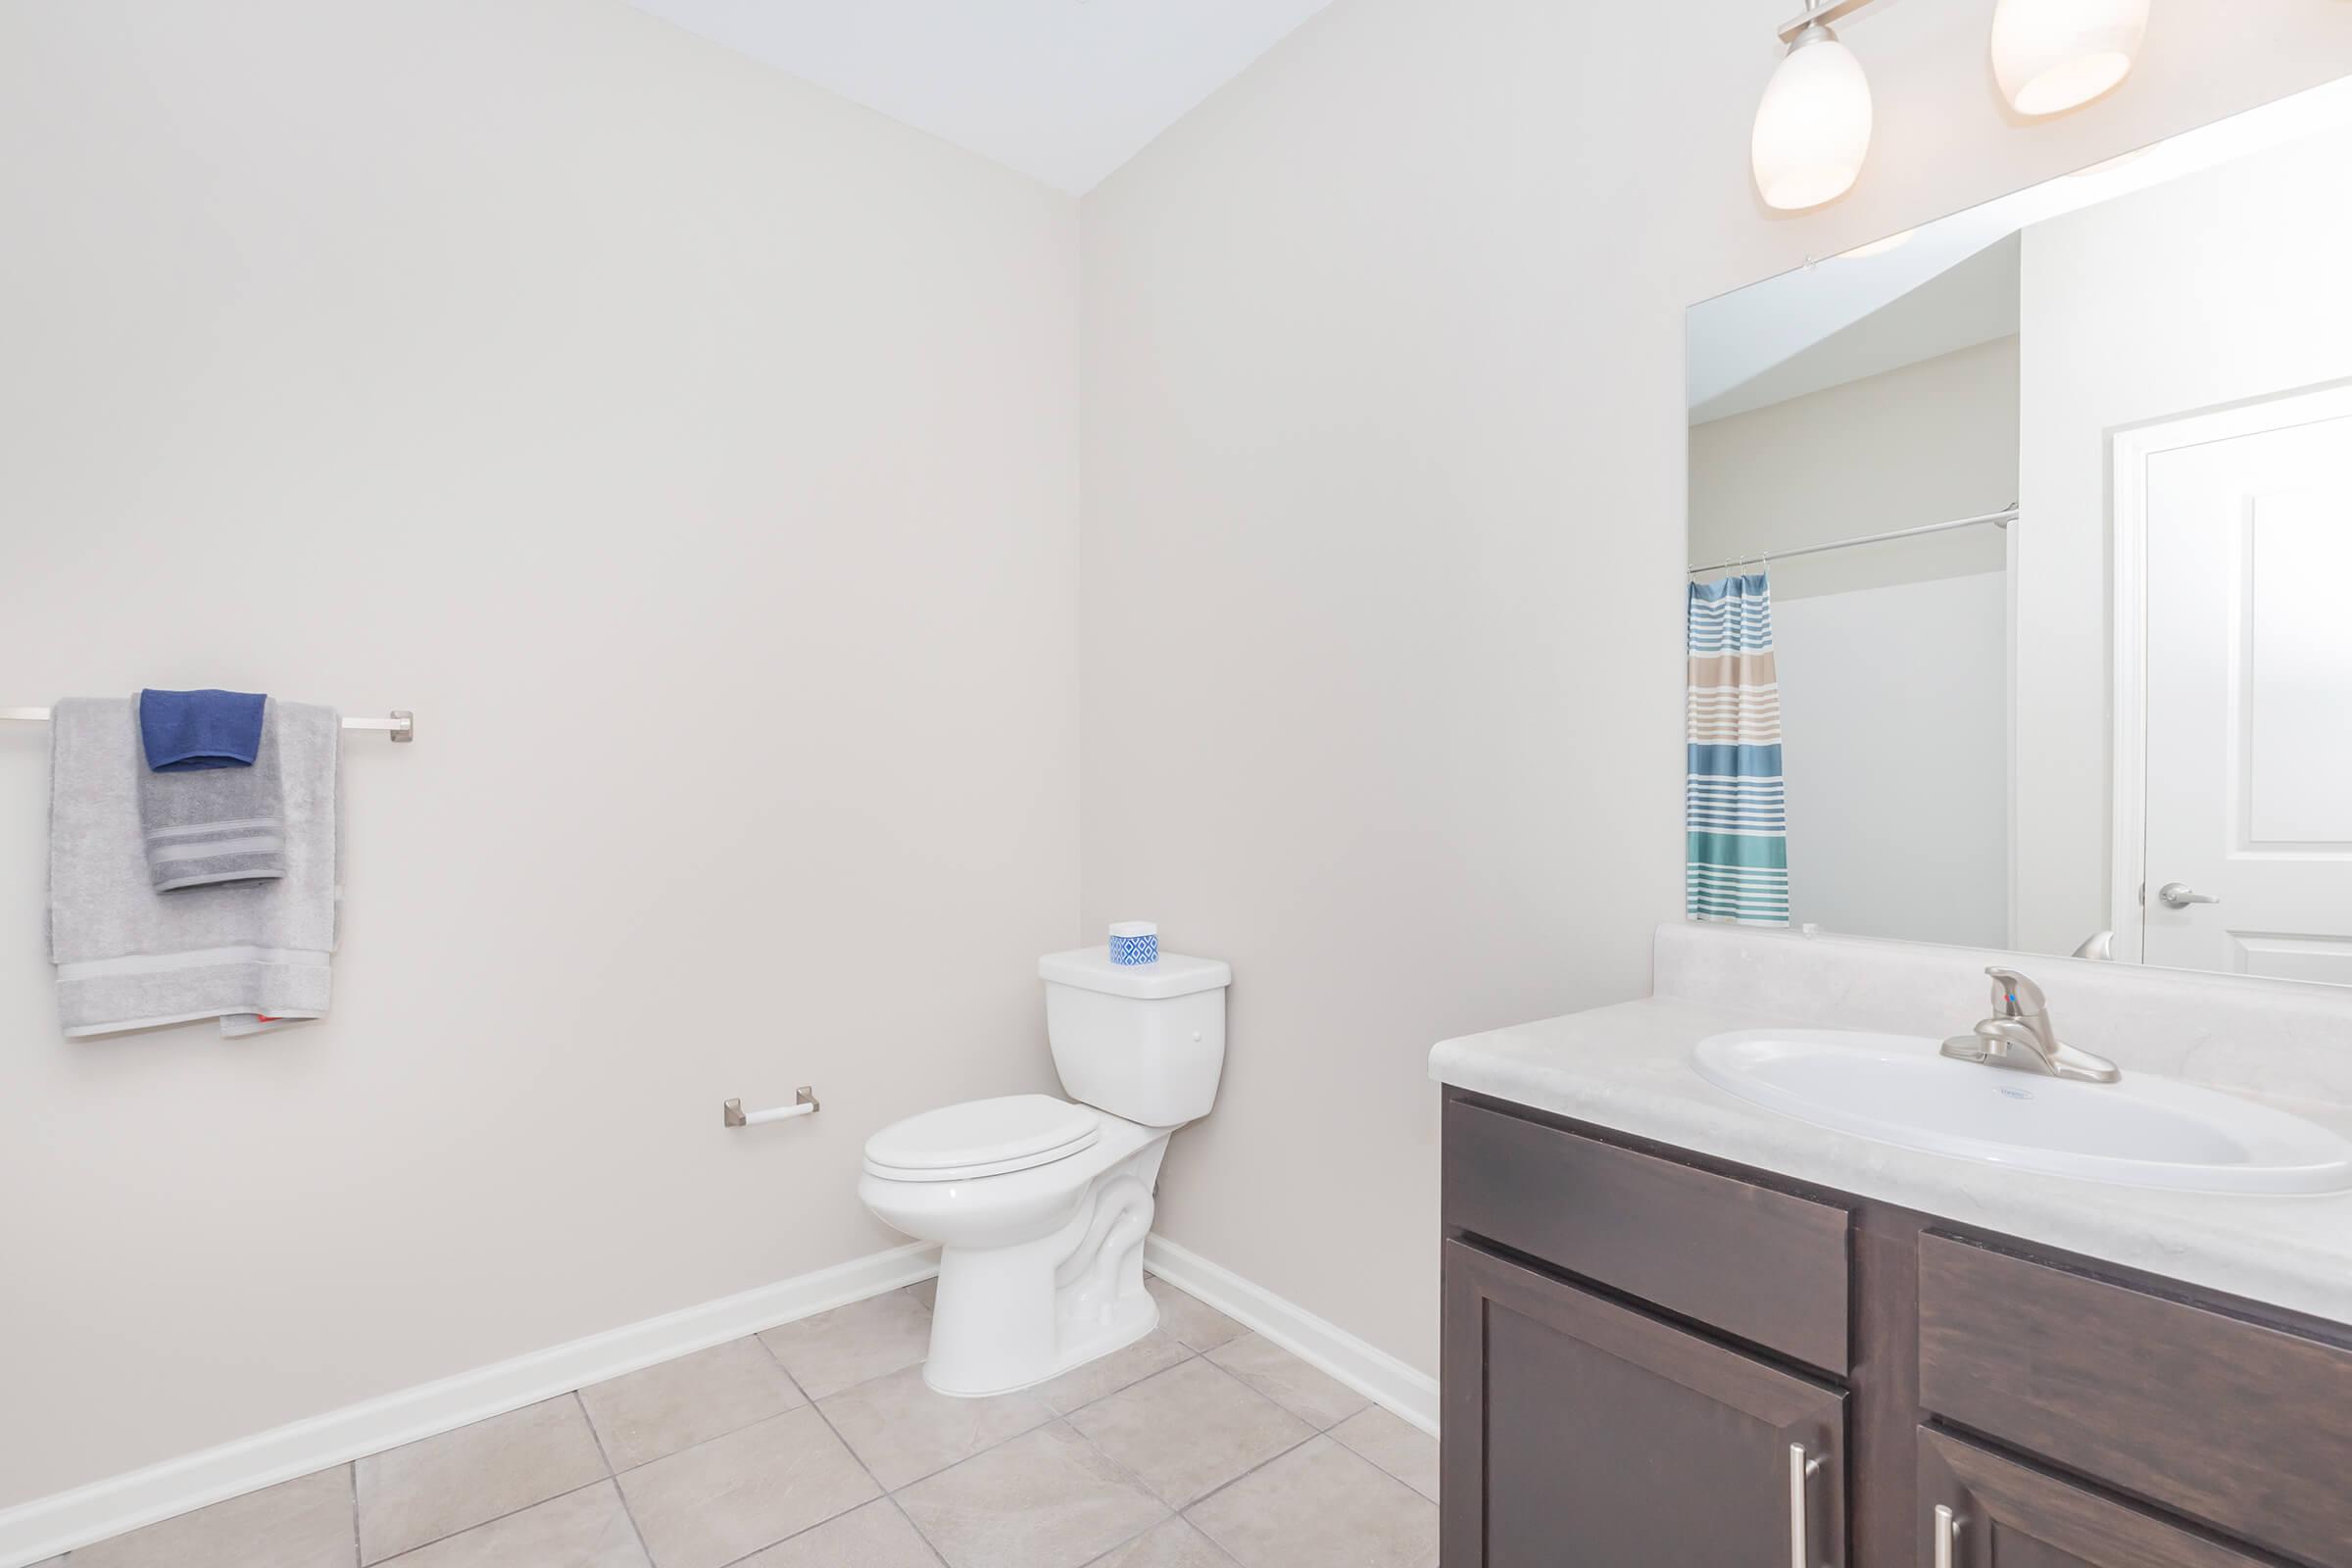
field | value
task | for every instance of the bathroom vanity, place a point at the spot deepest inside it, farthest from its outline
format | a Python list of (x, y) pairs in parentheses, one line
[(2007, 534), (1681, 1329)]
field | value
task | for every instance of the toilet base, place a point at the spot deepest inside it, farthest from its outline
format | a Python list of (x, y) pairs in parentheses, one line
[(1010, 1317), (1089, 1349)]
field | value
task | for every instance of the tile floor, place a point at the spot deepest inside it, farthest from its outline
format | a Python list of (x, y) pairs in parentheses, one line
[(815, 1445)]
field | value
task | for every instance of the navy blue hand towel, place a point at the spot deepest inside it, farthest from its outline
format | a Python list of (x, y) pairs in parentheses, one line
[(189, 731)]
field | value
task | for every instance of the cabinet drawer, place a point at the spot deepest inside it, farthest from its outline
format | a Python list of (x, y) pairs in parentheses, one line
[(1757, 1264), (2002, 1514), (2244, 1428)]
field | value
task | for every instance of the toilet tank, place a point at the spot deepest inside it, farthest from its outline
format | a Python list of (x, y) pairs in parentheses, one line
[(1146, 1041)]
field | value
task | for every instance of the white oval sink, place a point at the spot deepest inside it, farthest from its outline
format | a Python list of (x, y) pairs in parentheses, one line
[(2142, 1131)]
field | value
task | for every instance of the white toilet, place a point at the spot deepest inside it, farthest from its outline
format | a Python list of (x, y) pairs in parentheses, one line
[(1040, 1205)]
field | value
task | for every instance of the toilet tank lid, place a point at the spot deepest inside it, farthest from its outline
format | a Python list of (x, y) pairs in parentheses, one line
[(1174, 975)]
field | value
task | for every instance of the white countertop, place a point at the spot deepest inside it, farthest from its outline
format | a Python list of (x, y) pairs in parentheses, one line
[(1628, 1067)]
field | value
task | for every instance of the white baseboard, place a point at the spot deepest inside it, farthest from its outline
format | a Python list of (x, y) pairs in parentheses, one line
[(1372, 1372), (34, 1532), (42, 1529)]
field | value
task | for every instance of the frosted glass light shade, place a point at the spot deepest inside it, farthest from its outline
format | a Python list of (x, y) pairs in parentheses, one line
[(1813, 126), (2051, 55)]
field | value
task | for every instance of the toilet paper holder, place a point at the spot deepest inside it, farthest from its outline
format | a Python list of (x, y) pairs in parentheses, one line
[(804, 1104)]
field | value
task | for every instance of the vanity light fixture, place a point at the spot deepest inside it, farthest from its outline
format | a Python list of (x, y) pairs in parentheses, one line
[(1813, 127), (2052, 55)]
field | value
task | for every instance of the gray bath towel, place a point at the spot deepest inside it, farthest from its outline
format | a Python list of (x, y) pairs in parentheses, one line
[(215, 824), (130, 957)]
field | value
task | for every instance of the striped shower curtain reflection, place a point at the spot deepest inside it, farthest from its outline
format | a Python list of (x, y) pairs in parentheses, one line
[(1735, 802)]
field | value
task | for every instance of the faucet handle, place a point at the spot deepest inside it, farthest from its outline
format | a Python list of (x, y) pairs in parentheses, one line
[(2013, 994)]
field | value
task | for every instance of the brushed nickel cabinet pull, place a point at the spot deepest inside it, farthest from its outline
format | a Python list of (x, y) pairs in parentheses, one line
[(1801, 1524)]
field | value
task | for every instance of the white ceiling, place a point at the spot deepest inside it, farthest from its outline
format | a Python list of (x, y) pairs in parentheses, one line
[(1065, 91)]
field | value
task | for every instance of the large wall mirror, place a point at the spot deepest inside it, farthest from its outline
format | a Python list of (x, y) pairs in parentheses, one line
[(2021, 610)]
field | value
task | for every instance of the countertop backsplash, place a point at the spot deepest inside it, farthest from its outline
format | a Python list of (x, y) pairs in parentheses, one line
[(2275, 1038)]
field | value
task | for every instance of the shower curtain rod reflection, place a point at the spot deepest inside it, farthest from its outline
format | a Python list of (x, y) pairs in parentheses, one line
[(2001, 519)]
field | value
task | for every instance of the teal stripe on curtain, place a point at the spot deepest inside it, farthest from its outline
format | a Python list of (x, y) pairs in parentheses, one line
[(1740, 852)]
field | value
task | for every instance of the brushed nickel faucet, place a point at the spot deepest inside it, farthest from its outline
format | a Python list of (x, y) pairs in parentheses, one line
[(2019, 1036)]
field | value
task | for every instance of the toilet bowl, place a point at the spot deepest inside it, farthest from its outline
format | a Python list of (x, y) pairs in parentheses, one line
[(1041, 1205), (1041, 1264)]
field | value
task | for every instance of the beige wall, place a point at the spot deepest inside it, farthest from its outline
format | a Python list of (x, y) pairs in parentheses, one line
[(2221, 286), (695, 454), (1894, 729), (1384, 466), (1918, 444)]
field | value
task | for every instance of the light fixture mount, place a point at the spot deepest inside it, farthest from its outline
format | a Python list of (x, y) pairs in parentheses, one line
[(1821, 16)]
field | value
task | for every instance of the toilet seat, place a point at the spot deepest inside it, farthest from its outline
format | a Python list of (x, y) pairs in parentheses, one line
[(982, 1137)]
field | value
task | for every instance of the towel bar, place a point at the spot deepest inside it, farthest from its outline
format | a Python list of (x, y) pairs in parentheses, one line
[(401, 723), (804, 1104)]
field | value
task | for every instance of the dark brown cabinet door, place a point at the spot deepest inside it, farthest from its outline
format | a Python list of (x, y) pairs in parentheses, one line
[(1582, 1434), (1998, 1513), (2242, 1427)]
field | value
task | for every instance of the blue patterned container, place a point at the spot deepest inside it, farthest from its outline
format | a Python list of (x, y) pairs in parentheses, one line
[(1134, 942)]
